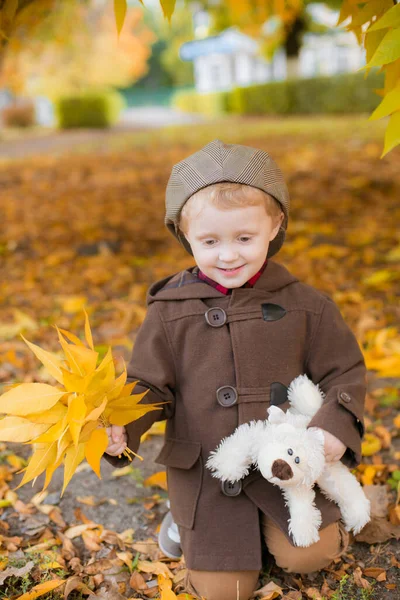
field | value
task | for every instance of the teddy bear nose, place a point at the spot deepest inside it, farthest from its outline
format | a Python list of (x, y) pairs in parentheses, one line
[(282, 470)]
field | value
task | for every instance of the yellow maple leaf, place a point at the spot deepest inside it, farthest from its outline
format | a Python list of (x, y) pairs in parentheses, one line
[(18, 429), (165, 586), (392, 135), (39, 461), (51, 416), (154, 567), (371, 445), (73, 458), (49, 472), (75, 416), (118, 387), (367, 477), (94, 414), (41, 589), (53, 433), (87, 430), (94, 449), (29, 398), (122, 418), (88, 332), (48, 359), (67, 424), (75, 383), (159, 479)]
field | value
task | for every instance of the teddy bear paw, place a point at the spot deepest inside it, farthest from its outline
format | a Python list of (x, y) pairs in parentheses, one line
[(355, 519), (304, 534)]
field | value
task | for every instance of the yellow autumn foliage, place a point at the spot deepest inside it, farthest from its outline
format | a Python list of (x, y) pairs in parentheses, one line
[(371, 445), (382, 353), (66, 423)]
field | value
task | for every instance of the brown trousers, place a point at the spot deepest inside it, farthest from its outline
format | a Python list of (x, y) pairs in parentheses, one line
[(239, 585)]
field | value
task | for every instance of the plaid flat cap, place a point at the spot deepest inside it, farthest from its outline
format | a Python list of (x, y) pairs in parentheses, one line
[(218, 162)]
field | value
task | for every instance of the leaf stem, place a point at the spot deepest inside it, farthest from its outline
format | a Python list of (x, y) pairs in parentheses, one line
[(127, 452)]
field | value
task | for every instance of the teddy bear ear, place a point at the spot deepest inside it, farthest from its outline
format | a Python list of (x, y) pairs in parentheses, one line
[(276, 415), (305, 397)]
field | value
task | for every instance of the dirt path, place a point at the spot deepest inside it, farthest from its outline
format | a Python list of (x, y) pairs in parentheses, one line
[(53, 141), (128, 492)]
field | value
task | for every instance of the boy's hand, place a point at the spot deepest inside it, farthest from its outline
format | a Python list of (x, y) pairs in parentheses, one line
[(334, 448), (117, 440)]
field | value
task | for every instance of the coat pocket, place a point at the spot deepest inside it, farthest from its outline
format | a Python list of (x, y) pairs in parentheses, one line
[(184, 475)]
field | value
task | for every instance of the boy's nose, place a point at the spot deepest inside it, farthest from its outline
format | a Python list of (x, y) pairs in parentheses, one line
[(228, 255)]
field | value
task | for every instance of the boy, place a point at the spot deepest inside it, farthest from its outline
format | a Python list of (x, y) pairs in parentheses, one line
[(221, 342)]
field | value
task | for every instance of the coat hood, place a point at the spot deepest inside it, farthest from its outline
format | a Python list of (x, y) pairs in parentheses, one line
[(186, 285)]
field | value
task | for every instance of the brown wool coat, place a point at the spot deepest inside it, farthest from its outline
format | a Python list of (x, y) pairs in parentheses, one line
[(259, 350)]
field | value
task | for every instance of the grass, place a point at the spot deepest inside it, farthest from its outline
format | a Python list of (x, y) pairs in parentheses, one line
[(14, 585), (230, 128), (347, 590), (234, 129)]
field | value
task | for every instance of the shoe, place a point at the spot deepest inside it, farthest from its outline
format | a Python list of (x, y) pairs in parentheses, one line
[(169, 540)]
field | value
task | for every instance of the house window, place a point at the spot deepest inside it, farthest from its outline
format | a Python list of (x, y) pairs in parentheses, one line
[(215, 76), (342, 60)]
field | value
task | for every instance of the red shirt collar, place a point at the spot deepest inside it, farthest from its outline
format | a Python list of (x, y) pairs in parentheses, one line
[(250, 283)]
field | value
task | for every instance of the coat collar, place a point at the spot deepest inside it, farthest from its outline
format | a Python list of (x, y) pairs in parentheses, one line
[(186, 285)]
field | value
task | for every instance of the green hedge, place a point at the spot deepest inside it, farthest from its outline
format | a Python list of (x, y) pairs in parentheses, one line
[(349, 93), (206, 104), (89, 109)]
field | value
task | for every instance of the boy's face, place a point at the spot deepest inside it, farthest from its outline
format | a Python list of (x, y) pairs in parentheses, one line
[(230, 246)]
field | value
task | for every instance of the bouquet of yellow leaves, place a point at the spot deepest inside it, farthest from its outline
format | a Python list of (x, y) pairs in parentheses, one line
[(67, 423)]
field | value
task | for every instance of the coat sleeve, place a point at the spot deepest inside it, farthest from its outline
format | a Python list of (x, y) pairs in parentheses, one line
[(336, 363), (152, 365)]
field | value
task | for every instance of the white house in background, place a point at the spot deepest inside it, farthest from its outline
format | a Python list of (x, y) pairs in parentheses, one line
[(330, 54), (230, 59), (333, 52)]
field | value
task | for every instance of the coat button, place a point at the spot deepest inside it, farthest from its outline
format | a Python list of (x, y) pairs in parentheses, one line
[(216, 317), (226, 395), (345, 397), (231, 489)]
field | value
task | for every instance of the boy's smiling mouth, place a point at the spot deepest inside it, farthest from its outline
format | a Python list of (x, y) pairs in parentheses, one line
[(231, 270)]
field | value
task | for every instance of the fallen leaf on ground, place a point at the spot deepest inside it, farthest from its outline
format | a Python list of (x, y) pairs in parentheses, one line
[(91, 500), (158, 479), (155, 568), (374, 572), (109, 593), (371, 444), (41, 589), (378, 531), (77, 530), (268, 591), (137, 581), (313, 593), (14, 572), (165, 586), (378, 497), (76, 583), (293, 595), (122, 471), (359, 580), (385, 436)]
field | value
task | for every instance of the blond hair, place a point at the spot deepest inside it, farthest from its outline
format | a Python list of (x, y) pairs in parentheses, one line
[(227, 195)]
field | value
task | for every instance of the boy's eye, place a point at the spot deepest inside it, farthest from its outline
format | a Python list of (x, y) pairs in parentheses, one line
[(244, 238), (209, 242)]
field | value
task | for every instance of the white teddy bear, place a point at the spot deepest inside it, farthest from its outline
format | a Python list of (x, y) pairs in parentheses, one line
[(291, 456)]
